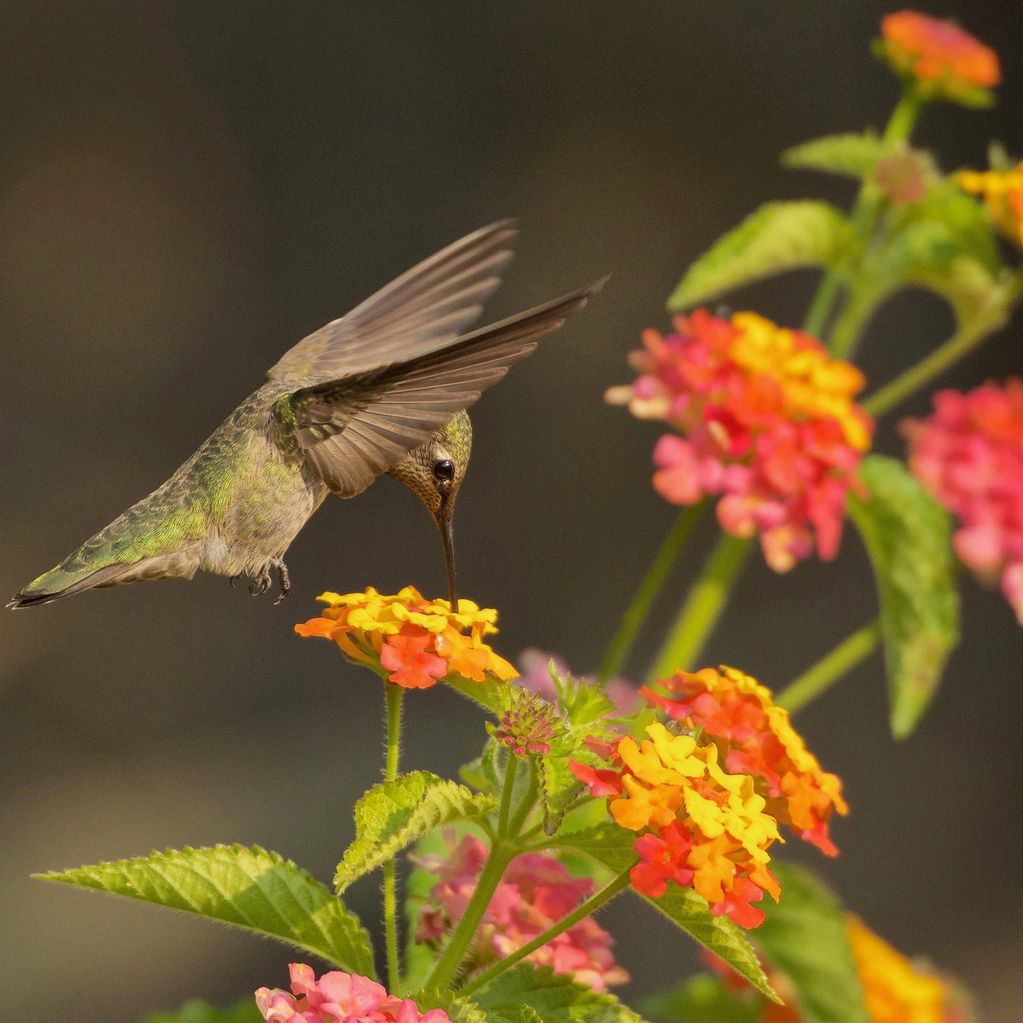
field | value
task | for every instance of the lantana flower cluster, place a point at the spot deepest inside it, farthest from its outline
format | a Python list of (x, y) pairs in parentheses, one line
[(969, 455), (754, 736), (768, 421), (942, 60), (338, 998), (535, 892), (1002, 192), (410, 640), (699, 827)]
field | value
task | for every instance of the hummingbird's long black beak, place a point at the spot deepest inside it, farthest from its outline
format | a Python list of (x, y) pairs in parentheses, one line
[(446, 524)]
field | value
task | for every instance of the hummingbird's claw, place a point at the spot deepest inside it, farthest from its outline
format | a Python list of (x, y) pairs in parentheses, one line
[(283, 579), (234, 579), (261, 583)]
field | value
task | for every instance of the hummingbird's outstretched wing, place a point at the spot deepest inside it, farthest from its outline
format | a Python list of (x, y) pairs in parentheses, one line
[(352, 430), (422, 310)]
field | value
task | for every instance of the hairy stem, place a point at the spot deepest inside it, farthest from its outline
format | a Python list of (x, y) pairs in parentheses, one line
[(506, 794), (394, 696), (830, 668), (501, 854), (590, 906), (703, 606), (652, 584)]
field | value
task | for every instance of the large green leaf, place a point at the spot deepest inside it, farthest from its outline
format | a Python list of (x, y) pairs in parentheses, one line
[(777, 237), (393, 814), (706, 999), (248, 887), (199, 1012), (908, 538), (852, 155), (459, 1010), (549, 997), (804, 935), (611, 846)]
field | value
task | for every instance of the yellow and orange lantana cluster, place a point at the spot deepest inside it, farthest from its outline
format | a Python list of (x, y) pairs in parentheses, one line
[(1002, 192), (698, 826), (409, 640)]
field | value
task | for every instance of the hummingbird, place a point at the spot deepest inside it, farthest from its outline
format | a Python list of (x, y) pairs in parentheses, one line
[(383, 389)]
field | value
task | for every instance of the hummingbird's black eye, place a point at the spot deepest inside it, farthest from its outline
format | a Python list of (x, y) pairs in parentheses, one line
[(444, 470)]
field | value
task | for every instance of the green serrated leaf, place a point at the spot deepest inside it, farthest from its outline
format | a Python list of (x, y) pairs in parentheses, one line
[(705, 999), (777, 237), (244, 1011), (975, 295), (852, 155), (248, 887), (559, 788), (908, 538), (459, 1010), (393, 814), (804, 935), (491, 694), (612, 846), (484, 773), (553, 997)]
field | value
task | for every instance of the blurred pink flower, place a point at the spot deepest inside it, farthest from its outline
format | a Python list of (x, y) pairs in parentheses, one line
[(969, 455), (338, 998), (537, 678), (768, 422), (535, 892)]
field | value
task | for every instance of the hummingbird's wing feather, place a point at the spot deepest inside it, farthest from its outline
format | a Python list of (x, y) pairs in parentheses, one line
[(425, 308), (352, 430)]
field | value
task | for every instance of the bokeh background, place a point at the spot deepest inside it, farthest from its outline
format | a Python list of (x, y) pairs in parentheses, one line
[(187, 189)]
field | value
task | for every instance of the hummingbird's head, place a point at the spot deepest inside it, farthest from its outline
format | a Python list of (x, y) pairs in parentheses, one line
[(434, 471)]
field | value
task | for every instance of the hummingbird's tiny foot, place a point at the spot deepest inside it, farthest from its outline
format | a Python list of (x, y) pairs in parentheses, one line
[(261, 583), (233, 579), (283, 579)]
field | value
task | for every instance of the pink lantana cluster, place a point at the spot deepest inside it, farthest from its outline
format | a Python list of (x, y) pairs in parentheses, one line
[(338, 998), (536, 892), (969, 455), (768, 421)]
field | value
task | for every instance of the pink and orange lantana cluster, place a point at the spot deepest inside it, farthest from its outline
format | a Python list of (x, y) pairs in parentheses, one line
[(942, 59), (768, 421), (410, 640), (707, 812), (755, 737), (338, 998), (969, 455), (535, 892)]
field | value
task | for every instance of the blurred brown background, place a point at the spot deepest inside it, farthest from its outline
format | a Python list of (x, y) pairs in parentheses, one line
[(185, 190)]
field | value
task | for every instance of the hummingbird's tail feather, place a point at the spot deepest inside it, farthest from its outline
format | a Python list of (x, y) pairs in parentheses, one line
[(56, 584), (67, 578)]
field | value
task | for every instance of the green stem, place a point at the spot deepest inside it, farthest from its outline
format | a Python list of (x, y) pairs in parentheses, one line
[(506, 794), (959, 344), (515, 824), (394, 696), (590, 906), (830, 668), (703, 606), (864, 217), (649, 588), (501, 854)]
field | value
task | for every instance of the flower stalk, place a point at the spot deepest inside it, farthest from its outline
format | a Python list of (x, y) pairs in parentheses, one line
[(649, 589), (393, 696), (703, 606), (830, 668)]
